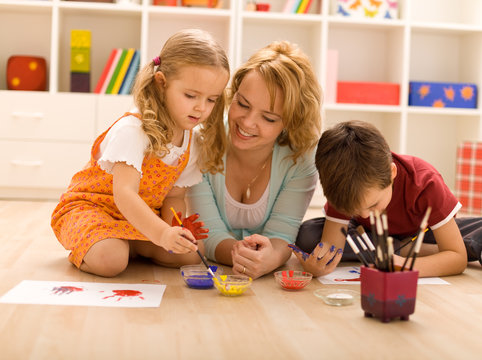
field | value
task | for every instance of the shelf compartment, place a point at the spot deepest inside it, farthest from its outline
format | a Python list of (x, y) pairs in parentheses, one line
[(446, 57), (447, 11), (217, 22), (277, 7), (32, 25), (386, 119), (371, 53), (107, 32), (449, 131), (260, 32)]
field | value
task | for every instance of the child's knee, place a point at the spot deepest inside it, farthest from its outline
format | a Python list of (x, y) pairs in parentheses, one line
[(107, 258), (309, 234)]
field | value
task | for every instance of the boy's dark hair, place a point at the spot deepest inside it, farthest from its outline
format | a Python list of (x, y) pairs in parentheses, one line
[(352, 157)]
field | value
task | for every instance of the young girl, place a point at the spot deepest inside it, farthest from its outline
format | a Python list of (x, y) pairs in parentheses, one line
[(141, 166)]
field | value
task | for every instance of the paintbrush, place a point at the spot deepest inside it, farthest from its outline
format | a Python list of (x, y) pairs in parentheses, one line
[(390, 253), (354, 247), (198, 252), (415, 248), (409, 242), (382, 241), (364, 250), (361, 231)]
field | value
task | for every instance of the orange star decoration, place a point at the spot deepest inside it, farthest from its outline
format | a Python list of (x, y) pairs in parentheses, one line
[(355, 5), (375, 3), (423, 91), (438, 103), (449, 93), (467, 92)]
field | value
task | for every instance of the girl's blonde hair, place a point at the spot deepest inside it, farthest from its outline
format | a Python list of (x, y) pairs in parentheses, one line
[(283, 65), (186, 47)]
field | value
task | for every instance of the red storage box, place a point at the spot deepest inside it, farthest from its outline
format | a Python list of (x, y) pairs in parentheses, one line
[(368, 93), (468, 184)]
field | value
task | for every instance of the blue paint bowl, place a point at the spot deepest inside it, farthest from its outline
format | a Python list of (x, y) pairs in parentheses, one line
[(198, 277)]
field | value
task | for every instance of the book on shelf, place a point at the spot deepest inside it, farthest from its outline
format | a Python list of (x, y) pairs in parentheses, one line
[(105, 72), (109, 68), (131, 74), (123, 70), (119, 72), (304, 6), (116, 71), (297, 6)]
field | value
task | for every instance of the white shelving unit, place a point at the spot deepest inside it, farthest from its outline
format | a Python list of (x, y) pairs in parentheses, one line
[(46, 136)]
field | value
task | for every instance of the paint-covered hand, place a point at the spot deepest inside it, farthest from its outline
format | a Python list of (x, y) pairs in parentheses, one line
[(322, 260), (195, 227)]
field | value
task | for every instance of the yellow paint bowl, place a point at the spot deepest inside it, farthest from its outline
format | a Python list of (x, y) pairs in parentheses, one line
[(232, 285)]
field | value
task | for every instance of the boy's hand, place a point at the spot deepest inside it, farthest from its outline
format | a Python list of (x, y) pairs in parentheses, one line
[(190, 223), (321, 261)]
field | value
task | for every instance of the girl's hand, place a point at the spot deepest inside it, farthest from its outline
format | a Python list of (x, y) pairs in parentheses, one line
[(177, 240), (253, 256), (321, 261), (195, 227)]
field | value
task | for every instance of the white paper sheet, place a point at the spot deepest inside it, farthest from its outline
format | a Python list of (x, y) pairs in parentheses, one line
[(351, 275), (85, 294)]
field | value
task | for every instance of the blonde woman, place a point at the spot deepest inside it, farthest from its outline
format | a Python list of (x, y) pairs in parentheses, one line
[(254, 209), (140, 166)]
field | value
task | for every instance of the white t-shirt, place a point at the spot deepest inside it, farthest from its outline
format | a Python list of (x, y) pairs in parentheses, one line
[(127, 142), (246, 216)]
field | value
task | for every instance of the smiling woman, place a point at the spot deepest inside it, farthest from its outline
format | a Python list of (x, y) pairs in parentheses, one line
[(253, 210)]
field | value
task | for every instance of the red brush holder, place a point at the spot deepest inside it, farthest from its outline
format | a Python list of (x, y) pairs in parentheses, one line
[(388, 295)]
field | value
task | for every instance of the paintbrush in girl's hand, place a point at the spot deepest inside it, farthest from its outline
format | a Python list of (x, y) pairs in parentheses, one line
[(198, 252)]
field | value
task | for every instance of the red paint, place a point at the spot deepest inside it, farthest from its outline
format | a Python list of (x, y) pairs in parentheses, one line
[(292, 281), (65, 290), (354, 279), (125, 293)]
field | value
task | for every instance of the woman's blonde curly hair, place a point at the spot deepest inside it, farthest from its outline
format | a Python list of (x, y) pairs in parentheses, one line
[(187, 47), (283, 65)]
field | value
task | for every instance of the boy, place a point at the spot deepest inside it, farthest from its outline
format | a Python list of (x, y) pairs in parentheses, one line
[(359, 174)]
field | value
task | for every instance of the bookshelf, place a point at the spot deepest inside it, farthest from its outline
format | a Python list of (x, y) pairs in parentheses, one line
[(431, 40)]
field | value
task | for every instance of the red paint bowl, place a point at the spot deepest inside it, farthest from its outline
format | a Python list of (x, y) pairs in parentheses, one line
[(293, 280)]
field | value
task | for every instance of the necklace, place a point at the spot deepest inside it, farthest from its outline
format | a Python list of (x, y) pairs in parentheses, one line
[(248, 190)]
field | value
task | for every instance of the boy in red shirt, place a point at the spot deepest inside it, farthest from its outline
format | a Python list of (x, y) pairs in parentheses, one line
[(359, 174)]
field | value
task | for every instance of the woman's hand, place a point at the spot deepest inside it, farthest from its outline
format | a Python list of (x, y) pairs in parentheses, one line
[(195, 227), (177, 240), (254, 256), (322, 260)]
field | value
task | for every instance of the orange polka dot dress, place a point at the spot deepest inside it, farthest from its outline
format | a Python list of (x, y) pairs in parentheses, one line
[(87, 213)]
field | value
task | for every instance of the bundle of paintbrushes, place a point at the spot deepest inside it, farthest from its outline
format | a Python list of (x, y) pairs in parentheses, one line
[(379, 253)]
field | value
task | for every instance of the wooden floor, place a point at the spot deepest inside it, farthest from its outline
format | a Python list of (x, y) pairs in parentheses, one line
[(266, 322)]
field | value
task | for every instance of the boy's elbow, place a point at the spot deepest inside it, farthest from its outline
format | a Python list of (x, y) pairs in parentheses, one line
[(460, 264)]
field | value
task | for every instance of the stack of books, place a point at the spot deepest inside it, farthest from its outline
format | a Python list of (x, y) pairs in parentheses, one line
[(297, 6), (119, 72)]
